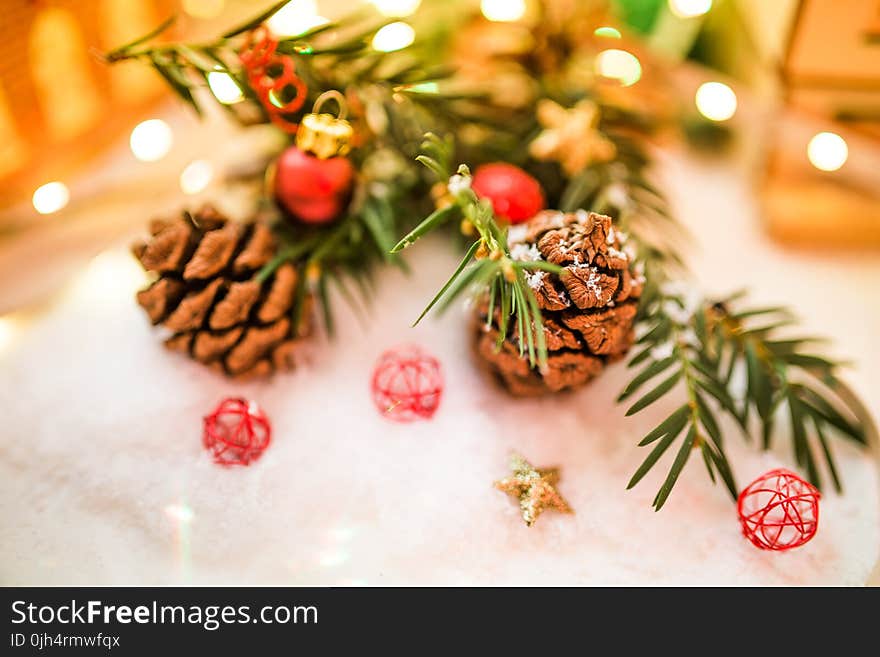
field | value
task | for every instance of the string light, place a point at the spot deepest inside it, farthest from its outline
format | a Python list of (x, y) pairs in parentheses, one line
[(203, 8), (295, 18), (396, 8), (609, 32), (393, 36), (689, 8), (716, 101), (503, 10), (51, 197), (827, 151), (196, 176), (225, 88), (619, 65), (151, 140)]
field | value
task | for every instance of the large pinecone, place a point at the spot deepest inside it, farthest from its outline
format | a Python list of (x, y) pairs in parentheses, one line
[(588, 310), (207, 295)]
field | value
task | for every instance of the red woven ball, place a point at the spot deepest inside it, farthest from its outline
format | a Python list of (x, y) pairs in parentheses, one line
[(515, 195), (407, 384), (779, 510), (237, 432)]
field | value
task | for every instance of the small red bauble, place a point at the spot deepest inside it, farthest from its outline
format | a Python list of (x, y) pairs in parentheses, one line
[(237, 432), (407, 384), (515, 195), (779, 510), (314, 191)]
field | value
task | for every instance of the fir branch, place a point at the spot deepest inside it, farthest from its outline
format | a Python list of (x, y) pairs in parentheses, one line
[(702, 346), (487, 267)]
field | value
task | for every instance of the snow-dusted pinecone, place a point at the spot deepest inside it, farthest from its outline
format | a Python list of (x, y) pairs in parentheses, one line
[(587, 311)]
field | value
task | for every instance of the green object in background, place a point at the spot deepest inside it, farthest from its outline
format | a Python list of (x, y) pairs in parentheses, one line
[(639, 15)]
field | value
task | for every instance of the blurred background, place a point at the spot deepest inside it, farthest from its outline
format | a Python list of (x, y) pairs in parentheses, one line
[(788, 90)]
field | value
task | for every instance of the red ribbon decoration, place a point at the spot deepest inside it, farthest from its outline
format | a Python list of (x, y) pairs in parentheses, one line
[(258, 56)]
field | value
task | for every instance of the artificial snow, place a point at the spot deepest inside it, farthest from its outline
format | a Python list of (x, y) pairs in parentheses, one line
[(105, 480)]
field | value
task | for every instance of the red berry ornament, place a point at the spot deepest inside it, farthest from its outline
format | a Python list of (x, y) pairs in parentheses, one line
[(313, 180), (515, 195), (779, 510), (237, 432), (407, 384), (312, 190)]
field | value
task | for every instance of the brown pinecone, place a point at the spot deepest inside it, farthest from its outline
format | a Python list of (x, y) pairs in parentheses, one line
[(207, 294), (588, 310)]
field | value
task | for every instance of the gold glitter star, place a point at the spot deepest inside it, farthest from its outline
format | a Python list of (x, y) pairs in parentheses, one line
[(571, 136), (534, 488)]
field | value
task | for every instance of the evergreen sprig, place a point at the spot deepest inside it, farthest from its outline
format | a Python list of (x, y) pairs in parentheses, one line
[(732, 360), (488, 264), (391, 118)]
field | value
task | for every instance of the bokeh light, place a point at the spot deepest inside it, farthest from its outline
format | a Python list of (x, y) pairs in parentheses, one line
[(51, 197), (295, 18), (180, 513), (716, 101), (8, 329), (503, 10), (689, 8), (196, 177), (393, 36), (619, 65), (609, 32), (151, 140), (827, 151), (225, 88), (203, 8), (396, 8)]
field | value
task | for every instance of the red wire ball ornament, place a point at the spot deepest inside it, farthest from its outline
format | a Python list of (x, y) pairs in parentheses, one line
[(407, 384), (779, 510), (237, 432)]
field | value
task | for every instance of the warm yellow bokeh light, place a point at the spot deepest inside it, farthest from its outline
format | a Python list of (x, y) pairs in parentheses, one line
[(396, 8), (225, 88), (196, 177), (827, 151), (203, 8), (503, 10), (151, 140), (295, 18), (393, 36), (619, 65), (8, 329), (689, 8), (716, 101), (51, 197)]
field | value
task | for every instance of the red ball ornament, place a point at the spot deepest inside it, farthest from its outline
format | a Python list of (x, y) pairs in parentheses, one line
[(779, 510), (313, 179), (314, 191), (237, 432), (407, 384), (515, 195)]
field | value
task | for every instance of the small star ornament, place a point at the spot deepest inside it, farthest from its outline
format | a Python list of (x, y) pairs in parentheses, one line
[(571, 136), (534, 488)]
